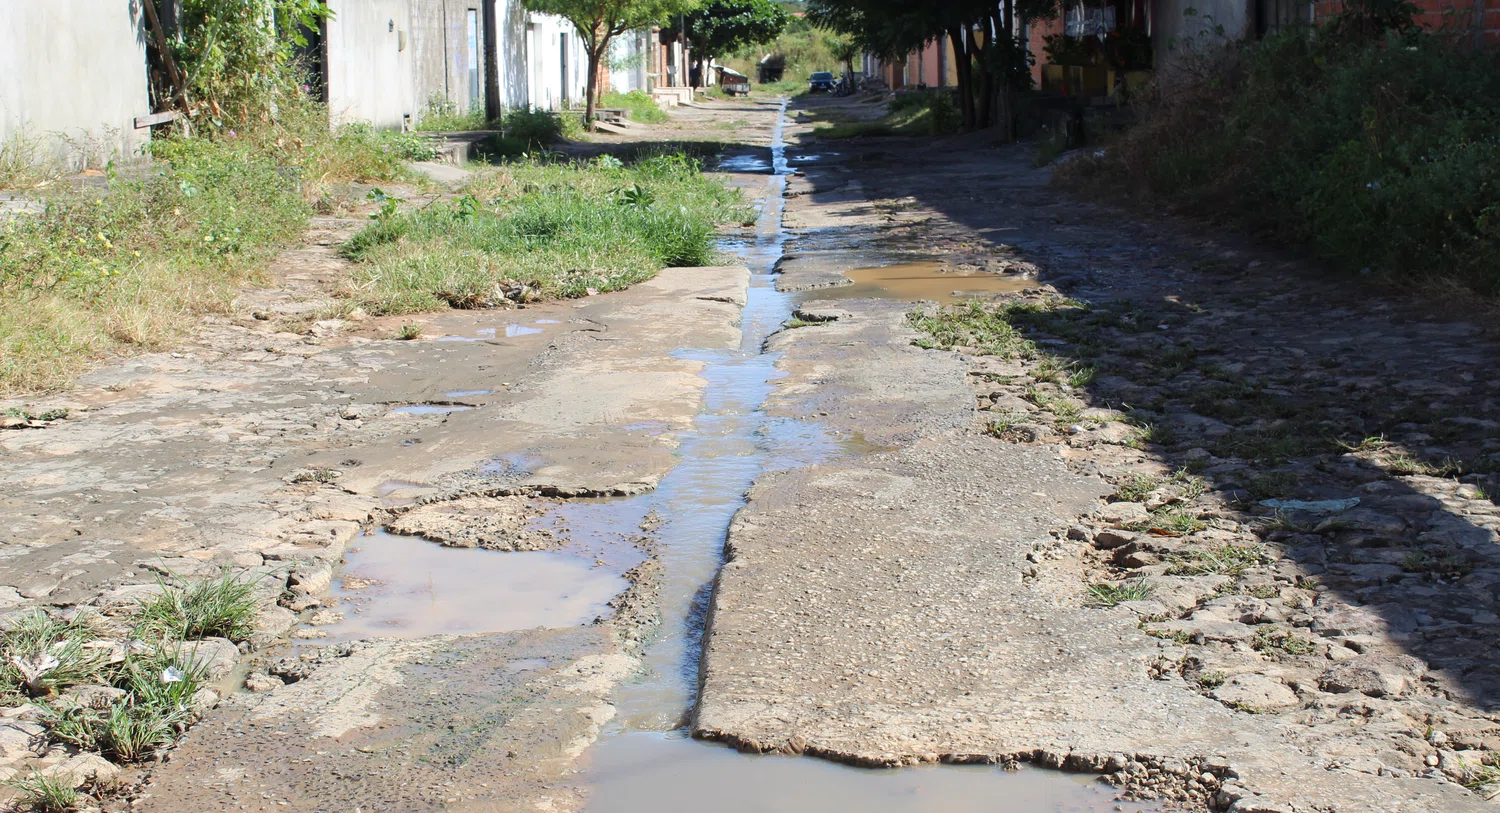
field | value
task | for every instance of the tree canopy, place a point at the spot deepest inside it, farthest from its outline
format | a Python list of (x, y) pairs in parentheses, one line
[(598, 22), (724, 26)]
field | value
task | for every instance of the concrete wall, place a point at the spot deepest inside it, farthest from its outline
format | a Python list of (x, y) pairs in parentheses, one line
[(369, 63), (1175, 34), (74, 68)]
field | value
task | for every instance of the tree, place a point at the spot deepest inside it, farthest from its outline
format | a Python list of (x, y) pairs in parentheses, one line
[(598, 22), (723, 26), (986, 53)]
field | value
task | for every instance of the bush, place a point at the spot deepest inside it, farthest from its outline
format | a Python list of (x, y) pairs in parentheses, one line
[(534, 128), (1377, 154)]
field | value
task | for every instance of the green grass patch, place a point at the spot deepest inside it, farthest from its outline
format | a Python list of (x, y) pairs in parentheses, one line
[(222, 607), (127, 267), (1107, 594), (641, 106), (913, 114), (539, 229), (40, 793), (1225, 560)]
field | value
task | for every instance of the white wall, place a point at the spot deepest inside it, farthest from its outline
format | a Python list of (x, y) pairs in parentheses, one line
[(371, 74), (629, 53), (74, 67), (1174, 34), (549, 88)]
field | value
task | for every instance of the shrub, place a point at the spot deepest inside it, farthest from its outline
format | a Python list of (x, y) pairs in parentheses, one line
[(534, 128), (1372, 152)]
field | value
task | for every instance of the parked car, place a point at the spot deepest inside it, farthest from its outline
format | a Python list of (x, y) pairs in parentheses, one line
[(821, 82)]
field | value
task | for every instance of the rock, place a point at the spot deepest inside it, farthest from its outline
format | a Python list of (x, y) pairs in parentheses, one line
[(1206, 629), (18, 740), (203, 701), (1374, 675), (271, 623), (39, 585), (311, 579), (1368, 574), (1140, 558), (84, 769), (262, 682), (1111, 539), (94, 696), (1367, 520), (215, 656), (1332, 618), (124, 600), (1256, 692), (1121, 514), (323, 618)]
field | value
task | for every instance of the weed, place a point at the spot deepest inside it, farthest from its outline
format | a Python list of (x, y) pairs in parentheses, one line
[(1082, 377), (1281, 641), (42, 655), (1211, 680), (24, 163), (795, 322), (1404, 464), (1170, 520), (223, 607), (1226, 560), (1369, 444), (1106, 594), (1264, 591), (41, 793), (442, 115), (1476, 777), (1136, 487), (1271, 484), (45, 415), (409, 331)]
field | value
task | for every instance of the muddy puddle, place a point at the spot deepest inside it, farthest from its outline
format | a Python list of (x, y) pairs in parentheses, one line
[(651, 772), (916, 281), (406, 587), (644, 760)]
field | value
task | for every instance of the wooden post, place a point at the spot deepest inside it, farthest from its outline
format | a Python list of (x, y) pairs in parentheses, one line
[(177, 77)]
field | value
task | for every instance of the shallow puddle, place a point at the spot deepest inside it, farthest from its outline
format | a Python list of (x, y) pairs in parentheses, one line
[(405, 587), (744, 163), (466, 393), (912, 282), (431, 409), (649, 773)]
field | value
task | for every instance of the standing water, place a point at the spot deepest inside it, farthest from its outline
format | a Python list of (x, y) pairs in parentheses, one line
[(645, 760)]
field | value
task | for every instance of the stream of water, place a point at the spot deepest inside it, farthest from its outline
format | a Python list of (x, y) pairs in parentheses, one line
[(645, 760)]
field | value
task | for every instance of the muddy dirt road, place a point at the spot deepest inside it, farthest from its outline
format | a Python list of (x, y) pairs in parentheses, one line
[(556, 558)]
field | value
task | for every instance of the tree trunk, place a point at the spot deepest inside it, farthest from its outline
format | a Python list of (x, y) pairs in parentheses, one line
[(591, 89), (963, 68)]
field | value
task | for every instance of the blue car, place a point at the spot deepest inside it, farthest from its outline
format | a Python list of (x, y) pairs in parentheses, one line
[(821, 82)]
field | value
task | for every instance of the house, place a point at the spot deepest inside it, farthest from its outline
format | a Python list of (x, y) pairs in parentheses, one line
[(75, 72)]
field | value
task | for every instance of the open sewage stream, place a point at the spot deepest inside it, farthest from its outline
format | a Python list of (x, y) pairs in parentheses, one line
[(645, 759)]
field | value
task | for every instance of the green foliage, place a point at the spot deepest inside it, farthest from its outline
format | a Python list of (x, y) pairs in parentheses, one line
[(129, 266), (540, 229), (800, 50), (442, 115), (40, 655), (221, 607), (534, 128), (40, 793), (1375, 153), (720, 27), (239, 57), (1106, 594), (641, 106), (916, 113)]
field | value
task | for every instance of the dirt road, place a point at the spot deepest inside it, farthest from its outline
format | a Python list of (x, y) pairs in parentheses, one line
[(491, 556)]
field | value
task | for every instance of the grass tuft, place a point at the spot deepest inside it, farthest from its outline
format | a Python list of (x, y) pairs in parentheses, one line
[(1107, 594), (39, 793), (42, 655), (219, 607)]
